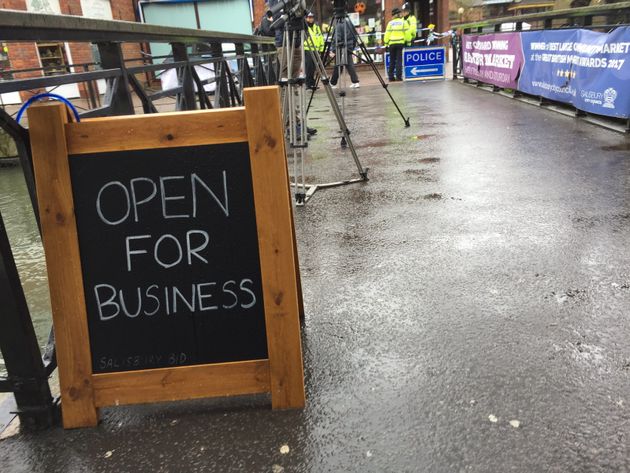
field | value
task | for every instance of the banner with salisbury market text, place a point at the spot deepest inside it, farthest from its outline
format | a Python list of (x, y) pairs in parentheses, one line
[(585, 68), (493, 58)]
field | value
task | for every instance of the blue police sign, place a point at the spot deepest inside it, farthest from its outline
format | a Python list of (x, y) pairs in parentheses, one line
[(424, 63)]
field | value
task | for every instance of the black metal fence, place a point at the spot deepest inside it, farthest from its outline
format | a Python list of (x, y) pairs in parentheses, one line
[(128, 91)]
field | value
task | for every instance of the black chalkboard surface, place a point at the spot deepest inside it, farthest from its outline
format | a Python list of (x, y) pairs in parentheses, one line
[(169, 255)]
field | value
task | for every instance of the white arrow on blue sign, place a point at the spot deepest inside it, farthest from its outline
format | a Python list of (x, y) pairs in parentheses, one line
[(424, 62)]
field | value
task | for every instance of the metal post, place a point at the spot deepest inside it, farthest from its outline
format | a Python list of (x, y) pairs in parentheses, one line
[(185, 100), (272, 65), (248, 76), (221, 93), (239, 49), (455, 44), (26, 373), (118, 95), (260, 77), (91, 90)]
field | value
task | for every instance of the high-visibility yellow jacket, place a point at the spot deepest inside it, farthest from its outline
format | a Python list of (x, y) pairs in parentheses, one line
[(397, 32), (412, 23), (318, 38)]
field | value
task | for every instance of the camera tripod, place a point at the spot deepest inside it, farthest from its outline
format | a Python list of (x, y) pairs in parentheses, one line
[(293, 87), (343, 54)]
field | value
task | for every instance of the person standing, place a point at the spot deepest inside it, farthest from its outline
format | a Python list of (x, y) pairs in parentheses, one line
[(412, 22), (315, 44), (396, 36), (264, 29), (345, 41)]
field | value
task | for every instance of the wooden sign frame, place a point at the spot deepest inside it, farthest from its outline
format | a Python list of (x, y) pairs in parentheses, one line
[(259, 123)]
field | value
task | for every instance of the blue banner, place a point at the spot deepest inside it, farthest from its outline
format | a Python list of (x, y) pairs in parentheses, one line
[(587, 69)]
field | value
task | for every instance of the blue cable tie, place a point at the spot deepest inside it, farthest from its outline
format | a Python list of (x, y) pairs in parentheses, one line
[(37, 97)]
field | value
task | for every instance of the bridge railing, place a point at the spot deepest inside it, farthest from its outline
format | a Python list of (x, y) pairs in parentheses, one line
[(210, 71)]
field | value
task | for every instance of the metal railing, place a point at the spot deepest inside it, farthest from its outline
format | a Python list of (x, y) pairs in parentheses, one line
[(566, 18), (255, 61), (599, 17)]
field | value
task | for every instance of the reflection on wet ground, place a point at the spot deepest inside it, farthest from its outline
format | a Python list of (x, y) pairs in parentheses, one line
[(19, 220), (625, 146)]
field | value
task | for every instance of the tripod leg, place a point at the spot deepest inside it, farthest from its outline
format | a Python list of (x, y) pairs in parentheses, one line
[(293, 107), (324, 57), (340, 120), (384, 84), (318, 77)]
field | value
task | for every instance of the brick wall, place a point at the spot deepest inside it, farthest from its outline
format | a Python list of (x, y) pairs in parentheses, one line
[(22, 55), (13, 4), (25, 55), (71, 7), (125, 10), (260, 7)]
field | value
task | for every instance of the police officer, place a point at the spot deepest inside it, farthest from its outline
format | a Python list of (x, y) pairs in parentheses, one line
[(316, 44), (411, 20), (397, 35)]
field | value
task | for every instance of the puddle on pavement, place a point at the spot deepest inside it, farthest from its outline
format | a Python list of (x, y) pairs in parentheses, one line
[(620, 147), (615, 220), (429, 160), (421, 174), (373, 144)]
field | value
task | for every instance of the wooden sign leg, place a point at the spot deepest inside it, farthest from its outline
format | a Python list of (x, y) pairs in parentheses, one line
[(59, 235), (298, 276), (277, 256)]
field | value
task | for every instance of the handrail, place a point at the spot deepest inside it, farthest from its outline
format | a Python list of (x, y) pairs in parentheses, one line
[(550, 15), (18, 25)]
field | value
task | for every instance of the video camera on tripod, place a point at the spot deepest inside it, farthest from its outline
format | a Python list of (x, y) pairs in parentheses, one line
[(297, 9), (340, 7), (290, 9)]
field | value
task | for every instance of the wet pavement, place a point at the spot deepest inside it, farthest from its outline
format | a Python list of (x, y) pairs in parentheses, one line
[(467, 309)]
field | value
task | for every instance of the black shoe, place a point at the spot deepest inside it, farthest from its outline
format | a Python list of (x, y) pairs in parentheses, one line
[(391, 79), (399, 80), (311, 131)]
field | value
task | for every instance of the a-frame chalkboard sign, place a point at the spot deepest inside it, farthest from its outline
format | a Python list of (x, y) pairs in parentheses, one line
[(171, 255)]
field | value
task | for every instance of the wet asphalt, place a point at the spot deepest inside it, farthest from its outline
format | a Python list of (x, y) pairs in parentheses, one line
[(467, 310)]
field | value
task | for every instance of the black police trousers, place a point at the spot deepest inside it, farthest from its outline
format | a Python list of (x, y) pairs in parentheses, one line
[(395, 61)]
